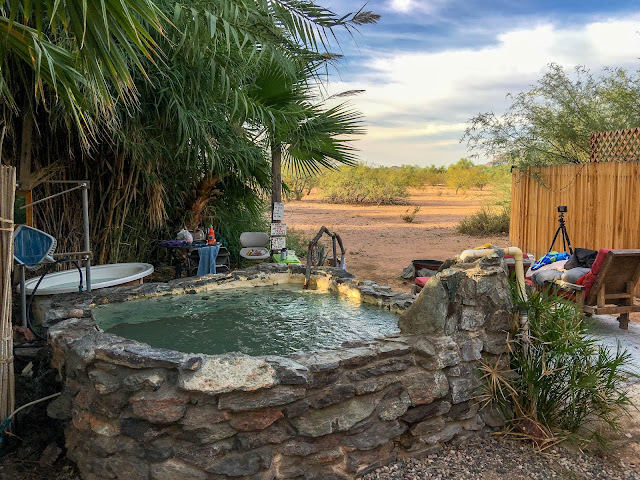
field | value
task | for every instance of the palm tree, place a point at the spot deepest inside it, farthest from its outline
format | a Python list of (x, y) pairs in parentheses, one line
[(310, 136)]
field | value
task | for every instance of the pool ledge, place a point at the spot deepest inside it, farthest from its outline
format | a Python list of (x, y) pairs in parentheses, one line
[(138, 412)]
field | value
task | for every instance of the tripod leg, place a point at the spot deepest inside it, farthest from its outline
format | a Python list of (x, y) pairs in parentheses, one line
[(554, 238)]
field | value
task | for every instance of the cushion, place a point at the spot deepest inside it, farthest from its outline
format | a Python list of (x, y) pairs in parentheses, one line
[(582, 257), (254, 239), (588, 279), (541, 277), (574, 274), (420, 281), (559, 265)]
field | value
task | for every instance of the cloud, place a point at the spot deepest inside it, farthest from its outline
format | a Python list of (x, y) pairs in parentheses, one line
[(416, 6), (418, 95)]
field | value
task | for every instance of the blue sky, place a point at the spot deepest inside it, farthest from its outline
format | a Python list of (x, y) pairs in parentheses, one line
[(430, 65)]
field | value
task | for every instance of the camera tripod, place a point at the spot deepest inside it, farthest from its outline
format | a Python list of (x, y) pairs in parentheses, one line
[(565, 236)]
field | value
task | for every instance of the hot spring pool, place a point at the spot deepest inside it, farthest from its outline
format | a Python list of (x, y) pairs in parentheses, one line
[(269, 320)]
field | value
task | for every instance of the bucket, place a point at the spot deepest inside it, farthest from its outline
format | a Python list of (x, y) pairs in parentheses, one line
[(428, 264)]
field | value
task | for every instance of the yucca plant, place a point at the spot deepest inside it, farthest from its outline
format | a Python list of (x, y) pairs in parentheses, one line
[(560, 383)]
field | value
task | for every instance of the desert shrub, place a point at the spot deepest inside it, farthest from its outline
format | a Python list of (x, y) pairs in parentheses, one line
[(364, 184), (560, 383), (410, 215), (297, 184), (487, 221), (298, 242)]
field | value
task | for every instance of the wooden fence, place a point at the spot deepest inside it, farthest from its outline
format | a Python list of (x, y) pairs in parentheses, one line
[(603, 201)]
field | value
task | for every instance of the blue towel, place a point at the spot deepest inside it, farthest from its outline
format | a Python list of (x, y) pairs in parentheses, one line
[(549, 258), (207, 262)]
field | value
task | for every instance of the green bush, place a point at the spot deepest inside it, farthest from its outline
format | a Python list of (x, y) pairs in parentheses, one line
[(487, 221), (364, 184), (560, 383)]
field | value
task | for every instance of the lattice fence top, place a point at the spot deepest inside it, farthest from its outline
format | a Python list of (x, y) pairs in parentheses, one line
[(616, 146)]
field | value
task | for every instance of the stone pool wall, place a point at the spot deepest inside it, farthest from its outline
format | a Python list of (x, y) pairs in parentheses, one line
[(137, 412)]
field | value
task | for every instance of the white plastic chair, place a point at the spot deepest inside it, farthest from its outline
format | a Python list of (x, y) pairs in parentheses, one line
[(254, 241)]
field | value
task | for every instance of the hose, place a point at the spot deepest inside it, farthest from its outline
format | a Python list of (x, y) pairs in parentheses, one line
[(35, 289), (7, 421)]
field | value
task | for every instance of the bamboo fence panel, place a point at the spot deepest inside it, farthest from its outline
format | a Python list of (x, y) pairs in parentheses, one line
[(7, 381), (603, 200)]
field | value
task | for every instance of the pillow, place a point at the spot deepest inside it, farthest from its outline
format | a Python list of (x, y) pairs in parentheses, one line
[(588, 280), (582, 257), (574, 274), (540, 277)]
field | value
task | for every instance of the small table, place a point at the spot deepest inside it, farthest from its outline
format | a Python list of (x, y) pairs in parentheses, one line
[(291, 258), (186, 249)]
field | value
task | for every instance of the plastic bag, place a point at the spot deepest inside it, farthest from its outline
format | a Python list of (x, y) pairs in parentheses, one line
[(185, 235)]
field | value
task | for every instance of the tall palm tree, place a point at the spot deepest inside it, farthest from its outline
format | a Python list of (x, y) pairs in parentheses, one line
[(310, 136)]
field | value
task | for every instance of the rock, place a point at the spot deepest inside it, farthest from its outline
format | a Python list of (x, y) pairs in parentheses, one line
[(445, 435), (422, 412), (462, 389), (103, 382), (249, 463), (428, 427), (174, 469), (277, 433), (470, 346), (225, 373), (167, 405), (241, 401), (408, 272), (428, 314), (50, 455), (336, 418), (332, 395), (257, 420), (128, 468), (425, 272), (493, 417), (378, 434), (151, 379), (202, 456), (392, 408), (288, 371), (425, 387), (198, 415), (380, 368), (472, 319), (209, 433)]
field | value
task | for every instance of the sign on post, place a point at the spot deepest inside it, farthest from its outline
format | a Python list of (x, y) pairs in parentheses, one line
[(278, 211), (278, 229), (278, 243)]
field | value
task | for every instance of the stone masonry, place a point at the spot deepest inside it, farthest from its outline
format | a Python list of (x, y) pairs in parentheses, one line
[(136, 412)]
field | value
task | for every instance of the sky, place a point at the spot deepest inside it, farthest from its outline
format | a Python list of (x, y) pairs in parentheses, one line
[(429, 66)]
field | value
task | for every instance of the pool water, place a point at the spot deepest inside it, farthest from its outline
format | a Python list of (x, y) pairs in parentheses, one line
[(269, 320)]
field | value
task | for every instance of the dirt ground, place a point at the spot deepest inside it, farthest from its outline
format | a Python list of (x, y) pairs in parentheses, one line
[(380, 244)]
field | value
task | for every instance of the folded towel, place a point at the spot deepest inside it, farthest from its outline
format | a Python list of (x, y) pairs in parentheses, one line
[(208, 257), (550, 258)]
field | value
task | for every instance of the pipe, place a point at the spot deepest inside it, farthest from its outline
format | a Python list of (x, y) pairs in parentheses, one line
[(517, 257), (85, 224)]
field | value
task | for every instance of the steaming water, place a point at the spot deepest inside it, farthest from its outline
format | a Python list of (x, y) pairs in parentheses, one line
[(269, 320)]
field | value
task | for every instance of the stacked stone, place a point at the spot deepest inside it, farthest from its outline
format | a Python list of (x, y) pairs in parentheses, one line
[(137, 412)]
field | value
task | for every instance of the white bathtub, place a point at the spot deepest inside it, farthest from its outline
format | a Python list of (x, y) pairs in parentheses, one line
[(102, 276)]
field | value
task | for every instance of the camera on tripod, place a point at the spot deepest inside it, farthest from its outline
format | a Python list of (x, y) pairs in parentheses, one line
[(562, 230)]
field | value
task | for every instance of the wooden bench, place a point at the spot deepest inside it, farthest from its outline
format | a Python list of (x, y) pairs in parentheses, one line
[(613, 291)]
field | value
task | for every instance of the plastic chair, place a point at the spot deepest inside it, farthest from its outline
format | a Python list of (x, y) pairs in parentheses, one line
[(32, 247), (252, 241)]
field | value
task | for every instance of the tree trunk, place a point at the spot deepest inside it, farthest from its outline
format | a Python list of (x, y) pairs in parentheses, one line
[(276, 174)]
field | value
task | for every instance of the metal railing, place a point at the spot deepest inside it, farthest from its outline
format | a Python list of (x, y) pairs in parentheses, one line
[(313, 244)]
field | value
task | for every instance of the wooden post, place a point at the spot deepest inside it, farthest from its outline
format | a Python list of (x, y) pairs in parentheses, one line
[(7, 198)]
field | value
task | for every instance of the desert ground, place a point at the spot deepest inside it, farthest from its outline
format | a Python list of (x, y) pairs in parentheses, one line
[(380, 244)]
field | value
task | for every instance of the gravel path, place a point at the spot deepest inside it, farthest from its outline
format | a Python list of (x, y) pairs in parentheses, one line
[(496, 458)]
